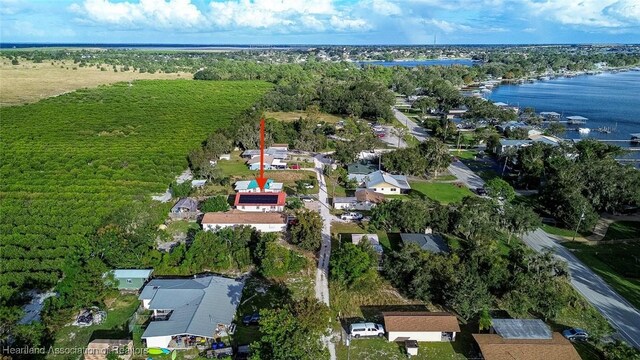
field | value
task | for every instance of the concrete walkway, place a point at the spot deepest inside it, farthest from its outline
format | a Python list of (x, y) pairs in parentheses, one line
[(605, 221), (623, 316)]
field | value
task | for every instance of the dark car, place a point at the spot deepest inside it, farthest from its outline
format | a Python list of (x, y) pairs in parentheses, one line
[(481, 191), (575, 334), (252, 319)]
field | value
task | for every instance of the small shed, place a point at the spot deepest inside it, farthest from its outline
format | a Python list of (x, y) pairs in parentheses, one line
[(131, 279), (98, 349)]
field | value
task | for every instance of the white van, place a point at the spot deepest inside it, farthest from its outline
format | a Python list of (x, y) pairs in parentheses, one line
[(366, 329)]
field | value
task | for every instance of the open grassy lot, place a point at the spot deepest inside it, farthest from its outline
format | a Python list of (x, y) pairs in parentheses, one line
[(617, 264), (621, 230), (443, 192), (29, 82), (381, 348), (70, 162), (566, 233), (464, 154), (114, 327), (295, 115)]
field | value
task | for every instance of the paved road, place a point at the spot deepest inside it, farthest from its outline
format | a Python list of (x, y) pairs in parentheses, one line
[(618, 311), (392, 139), (322, 271), (416, 130), (457, 168)]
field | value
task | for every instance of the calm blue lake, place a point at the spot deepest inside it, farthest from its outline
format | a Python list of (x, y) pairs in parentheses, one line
[(414, 63), (607, 100)]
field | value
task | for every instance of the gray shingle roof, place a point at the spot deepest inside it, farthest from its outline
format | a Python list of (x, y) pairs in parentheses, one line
[(198, 305), (132, 273), (521, 328), (428, 242)]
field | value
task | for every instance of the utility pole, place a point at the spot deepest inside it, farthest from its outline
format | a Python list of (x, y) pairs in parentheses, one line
[(579, 221)]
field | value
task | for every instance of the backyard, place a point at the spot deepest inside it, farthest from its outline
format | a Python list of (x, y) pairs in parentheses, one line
[(444, 193), (115, 326), (621, 230)]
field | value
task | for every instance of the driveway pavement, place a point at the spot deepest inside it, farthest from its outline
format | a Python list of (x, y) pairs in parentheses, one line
[(466, 175), (322, 270), (619, 312)]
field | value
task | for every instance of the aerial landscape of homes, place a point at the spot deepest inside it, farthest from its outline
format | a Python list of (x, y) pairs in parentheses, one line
[(398, 214)]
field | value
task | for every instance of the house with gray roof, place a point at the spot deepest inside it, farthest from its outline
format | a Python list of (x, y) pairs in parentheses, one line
[(384, 183), (189, 312), (521, 328), (428, 242), (185, 208)]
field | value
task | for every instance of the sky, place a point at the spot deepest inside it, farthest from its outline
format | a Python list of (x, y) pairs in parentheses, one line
[(364, 22)]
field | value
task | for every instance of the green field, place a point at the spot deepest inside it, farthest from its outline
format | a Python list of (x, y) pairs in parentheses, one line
[(443, 192), (70, 161), (617, 264)]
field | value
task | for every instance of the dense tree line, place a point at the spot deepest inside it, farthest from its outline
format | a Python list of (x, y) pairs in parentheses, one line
[(577, 182), (428, 158)]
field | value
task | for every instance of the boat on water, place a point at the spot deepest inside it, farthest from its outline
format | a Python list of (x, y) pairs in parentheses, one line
[(584, 130), (635, 138)]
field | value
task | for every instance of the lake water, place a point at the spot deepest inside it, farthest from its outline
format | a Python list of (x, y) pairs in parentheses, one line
[(413, 63), (607, 100)]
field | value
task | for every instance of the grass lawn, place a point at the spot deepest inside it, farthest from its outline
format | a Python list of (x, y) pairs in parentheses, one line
[(334, 188), (444, 193), (464, 154), (236, 167), (621, 230), (114, 327), (617, 264), (381, 348), (567, 233), (181, 227), (289, 116)]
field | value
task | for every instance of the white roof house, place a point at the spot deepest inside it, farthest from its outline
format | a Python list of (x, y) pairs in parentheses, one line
[(252, 186), (385, 183), (373, 239)]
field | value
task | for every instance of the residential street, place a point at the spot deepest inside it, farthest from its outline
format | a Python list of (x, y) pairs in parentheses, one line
[(417, 131), (322, 271), (457, 168), (620, 313)]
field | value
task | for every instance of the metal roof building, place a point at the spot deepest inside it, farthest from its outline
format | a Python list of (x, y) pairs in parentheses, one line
[(203, 307), (428, 242)]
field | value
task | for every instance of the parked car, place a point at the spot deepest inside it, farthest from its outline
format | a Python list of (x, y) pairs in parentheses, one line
[(306, 198), (252, 319), (366, 329), (481, 191), (308, 186), (351, 216), (380, 135), (294, 167), (575, 334)]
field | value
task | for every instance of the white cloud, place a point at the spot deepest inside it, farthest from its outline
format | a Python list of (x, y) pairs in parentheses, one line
[(348, 24), (147, 13), (589, 13), (268, 13), (385, 8)]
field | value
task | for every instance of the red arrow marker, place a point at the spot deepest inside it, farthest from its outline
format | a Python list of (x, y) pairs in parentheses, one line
[(261, 180)]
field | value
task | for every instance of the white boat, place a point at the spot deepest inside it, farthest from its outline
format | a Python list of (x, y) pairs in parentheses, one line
[(584, 130)]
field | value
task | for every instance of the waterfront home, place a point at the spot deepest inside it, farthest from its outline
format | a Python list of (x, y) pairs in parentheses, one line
[(421, 326), (524, 339), (506, 144), (265, 222), (430, 242), (252, 186), (185, 208), (260, 201), (189, 312)]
